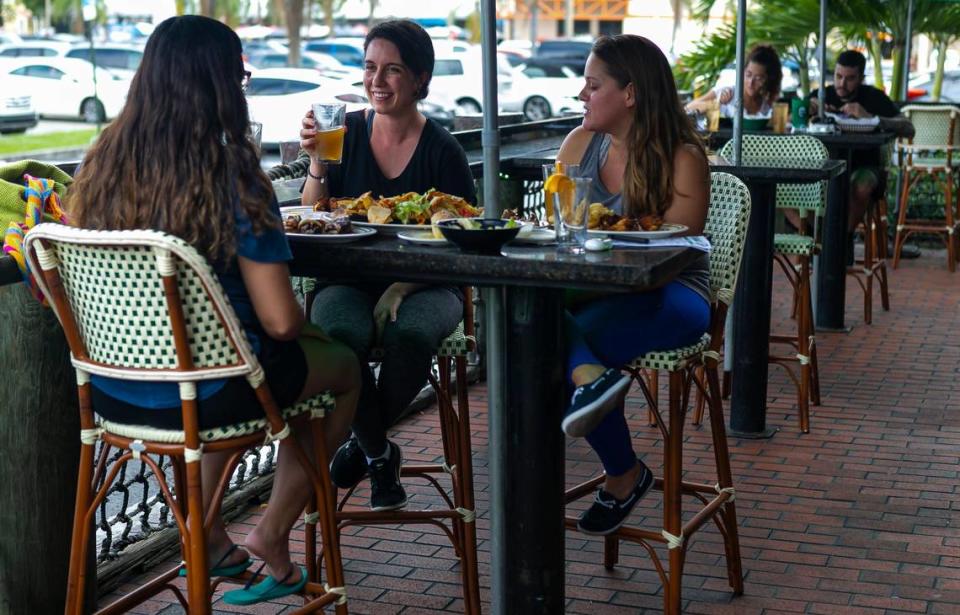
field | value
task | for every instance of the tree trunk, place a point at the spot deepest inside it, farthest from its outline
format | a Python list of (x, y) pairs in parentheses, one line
[(293, 12), (278, 13), (39, 437), (877, 55), (328, 9), (373, 8), (938, 75), (208, 8), (896, 85)]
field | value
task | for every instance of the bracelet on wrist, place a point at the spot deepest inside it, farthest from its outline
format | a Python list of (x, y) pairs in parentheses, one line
[(322, 178)]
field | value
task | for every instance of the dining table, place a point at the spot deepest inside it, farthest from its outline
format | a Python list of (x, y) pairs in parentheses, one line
[(754, 293), (523, 293), (830, 268)]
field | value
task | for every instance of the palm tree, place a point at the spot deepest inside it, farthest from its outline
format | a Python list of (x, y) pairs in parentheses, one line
[(943, 28)]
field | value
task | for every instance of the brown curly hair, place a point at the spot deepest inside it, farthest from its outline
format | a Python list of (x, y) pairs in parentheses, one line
[(178, 158), (660, 125)]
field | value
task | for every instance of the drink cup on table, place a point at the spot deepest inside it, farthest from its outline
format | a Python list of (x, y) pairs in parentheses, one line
[(570, 221), (329, 118), (713, 116), (781, 117), (256, 133), (549, 196), (289, 151)]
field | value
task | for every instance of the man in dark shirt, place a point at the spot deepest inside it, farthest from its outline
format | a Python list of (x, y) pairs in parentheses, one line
[(849, 95)]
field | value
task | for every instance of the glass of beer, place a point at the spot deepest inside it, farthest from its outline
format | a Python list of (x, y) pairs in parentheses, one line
[(713, 116), (289, 151), (781, 117), (329, 118), (556, 168)]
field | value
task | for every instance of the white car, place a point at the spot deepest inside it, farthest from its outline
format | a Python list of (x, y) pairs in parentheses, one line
[(279, 97), (32, 49), (64, 87), (17, 112), (326, 65), (457, 79), (544, 91)]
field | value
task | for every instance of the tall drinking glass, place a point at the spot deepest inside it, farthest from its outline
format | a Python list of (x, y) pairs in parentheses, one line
[(329, 118), (549, 197), (289, 151), (256, 133), (570, 221)]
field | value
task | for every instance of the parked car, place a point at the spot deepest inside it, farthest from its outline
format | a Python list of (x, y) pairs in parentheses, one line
[(33, 49), (949, 93), (542, 91), (9, 38), (279, 97), (63, 87), (457, 80), (17, 111), (572, 52), (122, 60), (326, 65), (349, 51)]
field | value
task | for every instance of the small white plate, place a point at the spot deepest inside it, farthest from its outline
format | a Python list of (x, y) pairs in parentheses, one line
[(423, 238), (665, 230), (393, 229), (296, 210), (536, 236), (358, 233)]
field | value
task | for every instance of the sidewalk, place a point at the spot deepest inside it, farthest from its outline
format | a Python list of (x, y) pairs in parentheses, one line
[(860, 516)]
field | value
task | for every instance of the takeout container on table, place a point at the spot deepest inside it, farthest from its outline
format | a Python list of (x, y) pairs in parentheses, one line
[(486, 236)]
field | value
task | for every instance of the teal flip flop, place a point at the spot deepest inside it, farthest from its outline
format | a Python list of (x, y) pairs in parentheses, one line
[(268, 589), (219, 570)]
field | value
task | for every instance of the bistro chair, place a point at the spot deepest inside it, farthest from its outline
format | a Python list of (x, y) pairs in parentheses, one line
[(933, 152), (727, 225), (803, 246), (873, 266), (457, 517), (146, 306)]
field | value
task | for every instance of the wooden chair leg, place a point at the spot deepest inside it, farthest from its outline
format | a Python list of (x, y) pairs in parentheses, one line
[(803, 348), (724, 479), (653, 385), (198, 583), (900, 236), (672, 490), (699, 398), (952, 253), (464, 491)]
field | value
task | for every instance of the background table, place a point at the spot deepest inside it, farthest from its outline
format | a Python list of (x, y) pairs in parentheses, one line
[(525, 379)]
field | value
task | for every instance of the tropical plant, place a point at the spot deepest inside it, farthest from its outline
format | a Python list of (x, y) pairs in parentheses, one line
[(943, 28)]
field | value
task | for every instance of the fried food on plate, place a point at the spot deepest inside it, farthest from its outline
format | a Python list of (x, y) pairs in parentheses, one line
[(379, 215), (603, 218)]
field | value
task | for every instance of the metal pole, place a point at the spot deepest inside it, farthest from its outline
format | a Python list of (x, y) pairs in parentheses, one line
[(568, 18), (822, 90), (738, 117), (907, 51), (490, 137)]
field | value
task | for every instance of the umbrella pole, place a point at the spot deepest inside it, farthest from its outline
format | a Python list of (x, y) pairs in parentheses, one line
[(906, 53), (738, 117), (822, 90)]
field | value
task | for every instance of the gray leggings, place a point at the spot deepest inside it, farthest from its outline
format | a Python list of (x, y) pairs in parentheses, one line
[(424, 319)]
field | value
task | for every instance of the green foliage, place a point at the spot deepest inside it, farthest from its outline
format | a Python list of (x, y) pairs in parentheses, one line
[(700, 68), (15, 145)]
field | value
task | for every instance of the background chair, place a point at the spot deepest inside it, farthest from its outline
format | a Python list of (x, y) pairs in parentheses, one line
[(145, 306), (808, 200), (727, 225), (873, 266), (457, 518), (933, 153)]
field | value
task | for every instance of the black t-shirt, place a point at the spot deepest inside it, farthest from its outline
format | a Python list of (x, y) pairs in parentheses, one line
[(875, 102), (870, 98), (438, 162)]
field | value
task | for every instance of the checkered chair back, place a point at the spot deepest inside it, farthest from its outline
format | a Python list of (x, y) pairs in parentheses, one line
[(787, 150), (934, 125), (727, 221), (113, 281)]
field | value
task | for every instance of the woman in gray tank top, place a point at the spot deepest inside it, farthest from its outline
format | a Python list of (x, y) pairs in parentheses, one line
[(644, 157)]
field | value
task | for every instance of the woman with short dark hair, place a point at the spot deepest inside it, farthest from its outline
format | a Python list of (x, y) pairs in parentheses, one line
[(389, 149)]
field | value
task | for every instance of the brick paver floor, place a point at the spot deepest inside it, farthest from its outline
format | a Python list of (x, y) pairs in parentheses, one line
[(860, 516)]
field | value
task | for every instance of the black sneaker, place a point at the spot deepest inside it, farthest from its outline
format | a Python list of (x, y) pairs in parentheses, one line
[(349, 464), (386, 492), (591, 402), (607, 513)]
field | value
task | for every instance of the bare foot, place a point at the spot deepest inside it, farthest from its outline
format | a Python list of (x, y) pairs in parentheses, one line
[(620, 486), (275, 552)]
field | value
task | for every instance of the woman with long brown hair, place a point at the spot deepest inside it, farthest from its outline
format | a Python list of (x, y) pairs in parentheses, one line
[(761, 86), (644, 157), (179, 159)]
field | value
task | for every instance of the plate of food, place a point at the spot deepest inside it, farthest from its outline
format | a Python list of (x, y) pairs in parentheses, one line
[(536, 235), (421, 237), (406, 212), (295, 210), (324, 226), (602, 221)]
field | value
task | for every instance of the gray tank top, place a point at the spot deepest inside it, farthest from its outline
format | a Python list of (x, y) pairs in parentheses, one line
[(696, 276)]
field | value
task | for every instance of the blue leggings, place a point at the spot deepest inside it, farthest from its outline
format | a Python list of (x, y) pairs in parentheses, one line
[(616, 329)]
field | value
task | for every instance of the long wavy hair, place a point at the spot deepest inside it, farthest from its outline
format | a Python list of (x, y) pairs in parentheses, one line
[(178, 158), (660, 126), (766, 56)]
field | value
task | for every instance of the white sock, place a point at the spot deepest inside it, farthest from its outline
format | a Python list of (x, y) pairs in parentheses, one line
[(385, 455)]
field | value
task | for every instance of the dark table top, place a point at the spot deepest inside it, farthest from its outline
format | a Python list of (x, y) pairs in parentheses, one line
[(391, 259), (521, 153), (780, 170), (853, 140)]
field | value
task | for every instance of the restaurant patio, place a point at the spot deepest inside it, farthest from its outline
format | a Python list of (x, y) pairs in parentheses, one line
[(858, 516)]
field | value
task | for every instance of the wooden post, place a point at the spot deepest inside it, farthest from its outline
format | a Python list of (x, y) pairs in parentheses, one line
[(40, 444)]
